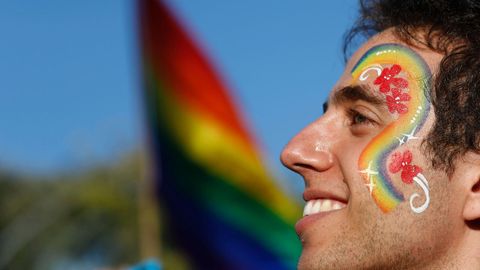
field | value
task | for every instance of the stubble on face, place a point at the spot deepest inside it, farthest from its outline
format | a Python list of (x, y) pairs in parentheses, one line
[(401, 241)]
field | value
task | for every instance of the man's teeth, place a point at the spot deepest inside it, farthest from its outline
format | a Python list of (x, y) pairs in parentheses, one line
[(321, 205)]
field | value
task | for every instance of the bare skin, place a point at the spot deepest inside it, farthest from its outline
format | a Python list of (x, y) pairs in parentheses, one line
[(360, 235)]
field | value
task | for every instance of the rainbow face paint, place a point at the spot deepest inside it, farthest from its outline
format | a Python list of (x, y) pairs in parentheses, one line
[(406, 95)]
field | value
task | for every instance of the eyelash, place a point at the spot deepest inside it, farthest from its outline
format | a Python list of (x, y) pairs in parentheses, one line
[(353, 116)]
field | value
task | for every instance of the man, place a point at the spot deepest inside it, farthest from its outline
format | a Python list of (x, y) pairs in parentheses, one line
[(392, 168)]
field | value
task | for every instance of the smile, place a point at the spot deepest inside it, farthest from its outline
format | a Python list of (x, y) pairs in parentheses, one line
[(322, 205)]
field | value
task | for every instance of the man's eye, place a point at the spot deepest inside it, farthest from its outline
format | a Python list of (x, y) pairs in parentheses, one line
[(357, 118)]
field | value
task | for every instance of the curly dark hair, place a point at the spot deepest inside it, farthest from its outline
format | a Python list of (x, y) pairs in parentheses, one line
[(453, 29)]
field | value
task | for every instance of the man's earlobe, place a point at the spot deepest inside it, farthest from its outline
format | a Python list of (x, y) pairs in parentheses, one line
[(471, 210)]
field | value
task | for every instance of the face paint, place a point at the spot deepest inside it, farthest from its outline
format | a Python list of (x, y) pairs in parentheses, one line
[(407, 98)]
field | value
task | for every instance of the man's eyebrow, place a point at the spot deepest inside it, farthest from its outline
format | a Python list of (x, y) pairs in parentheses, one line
[(353, 93)]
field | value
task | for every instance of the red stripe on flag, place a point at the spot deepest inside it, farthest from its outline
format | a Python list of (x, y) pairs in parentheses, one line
[(181, 66)]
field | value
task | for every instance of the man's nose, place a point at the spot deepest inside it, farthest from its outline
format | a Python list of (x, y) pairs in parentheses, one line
[(311, 149)]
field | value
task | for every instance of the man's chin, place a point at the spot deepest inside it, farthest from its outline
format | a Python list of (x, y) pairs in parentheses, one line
[(311, 261), (305, 262), (337, 248), (316, 256)]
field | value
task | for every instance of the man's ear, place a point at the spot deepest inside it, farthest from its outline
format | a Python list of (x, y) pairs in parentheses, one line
[(467, 173), (471, 209)]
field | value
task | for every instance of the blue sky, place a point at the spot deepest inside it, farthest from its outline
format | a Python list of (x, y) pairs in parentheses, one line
[(67, 87), (69, 91)]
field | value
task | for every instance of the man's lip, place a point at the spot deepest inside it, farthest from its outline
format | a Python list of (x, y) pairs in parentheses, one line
[(313, 194), (307, 221)]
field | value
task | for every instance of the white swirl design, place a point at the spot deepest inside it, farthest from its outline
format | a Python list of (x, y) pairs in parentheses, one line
[(422, 182), (375, 67)]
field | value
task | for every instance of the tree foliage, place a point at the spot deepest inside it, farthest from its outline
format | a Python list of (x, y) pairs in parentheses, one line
[(82, 220)]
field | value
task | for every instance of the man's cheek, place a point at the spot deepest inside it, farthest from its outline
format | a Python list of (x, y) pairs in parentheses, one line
[(410, 177), (397, 69)]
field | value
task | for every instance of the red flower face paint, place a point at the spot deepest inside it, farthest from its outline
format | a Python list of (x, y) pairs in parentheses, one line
[(387, 78), (402, 76), (394, 102), (402, 162)]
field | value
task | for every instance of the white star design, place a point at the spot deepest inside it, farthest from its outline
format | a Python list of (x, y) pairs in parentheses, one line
[(410, 135), (401, 141), (370, 185), (368, 171)]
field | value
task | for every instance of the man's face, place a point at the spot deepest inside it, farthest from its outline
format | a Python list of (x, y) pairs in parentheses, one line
[(372, 198)]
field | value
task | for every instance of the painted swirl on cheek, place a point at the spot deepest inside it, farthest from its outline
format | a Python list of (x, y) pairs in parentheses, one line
[(405, 97)]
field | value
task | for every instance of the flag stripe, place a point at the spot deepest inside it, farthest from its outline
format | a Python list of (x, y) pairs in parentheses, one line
[(223, 206), (225, 247), (222, 152), (188, 73), (237, 208)]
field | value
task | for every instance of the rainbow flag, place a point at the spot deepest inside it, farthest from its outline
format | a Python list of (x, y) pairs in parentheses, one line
[(223, 208)]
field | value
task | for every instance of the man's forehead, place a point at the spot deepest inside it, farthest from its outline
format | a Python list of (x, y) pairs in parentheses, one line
[(432, 58), (385, 37)]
